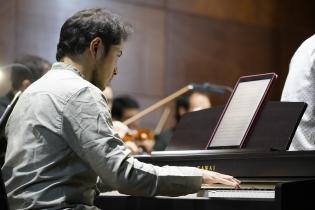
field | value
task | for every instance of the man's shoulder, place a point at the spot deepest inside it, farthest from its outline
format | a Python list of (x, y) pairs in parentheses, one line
[(62, 83)]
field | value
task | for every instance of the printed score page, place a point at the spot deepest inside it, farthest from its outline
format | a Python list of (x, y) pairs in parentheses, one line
[(239, 113)]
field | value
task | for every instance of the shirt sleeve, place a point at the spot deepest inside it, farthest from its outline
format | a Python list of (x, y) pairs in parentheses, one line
[(87, 128)]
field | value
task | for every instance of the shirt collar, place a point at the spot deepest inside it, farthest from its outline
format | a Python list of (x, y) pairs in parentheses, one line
[(65, 66)]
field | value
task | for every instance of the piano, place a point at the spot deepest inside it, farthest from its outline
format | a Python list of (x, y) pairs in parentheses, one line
[(276, 180), (272, 177)]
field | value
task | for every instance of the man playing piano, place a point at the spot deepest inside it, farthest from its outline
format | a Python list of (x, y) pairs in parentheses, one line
[(60, 135)]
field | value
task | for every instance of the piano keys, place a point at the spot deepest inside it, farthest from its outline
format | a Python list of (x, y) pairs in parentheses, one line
[(246, 190)]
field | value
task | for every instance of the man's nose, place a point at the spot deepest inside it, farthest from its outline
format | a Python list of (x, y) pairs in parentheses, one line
[(115, 70)]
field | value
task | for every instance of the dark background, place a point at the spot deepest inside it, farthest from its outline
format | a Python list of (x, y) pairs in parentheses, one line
[(175, 42)]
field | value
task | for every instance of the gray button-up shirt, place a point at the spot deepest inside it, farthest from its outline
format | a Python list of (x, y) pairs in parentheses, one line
[(60, 138)]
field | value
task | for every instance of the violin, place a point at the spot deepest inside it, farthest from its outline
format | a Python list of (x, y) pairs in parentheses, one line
[(139, 134), (138, 140), (143, 138)]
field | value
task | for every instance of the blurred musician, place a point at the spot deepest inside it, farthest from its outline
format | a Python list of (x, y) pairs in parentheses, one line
[(65, 137), (125, 107), (32, 68), (120, 128)]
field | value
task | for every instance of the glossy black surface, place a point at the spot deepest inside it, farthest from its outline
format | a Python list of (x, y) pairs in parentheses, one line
[(292, 172)]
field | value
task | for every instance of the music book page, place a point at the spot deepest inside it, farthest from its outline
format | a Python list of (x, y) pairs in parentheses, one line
[(239, 113)]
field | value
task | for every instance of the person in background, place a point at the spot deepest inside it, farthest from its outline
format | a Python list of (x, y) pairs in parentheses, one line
[(120, 128), (65, 137), (125, 107), (300, 86), (32, 68), (193, 101)]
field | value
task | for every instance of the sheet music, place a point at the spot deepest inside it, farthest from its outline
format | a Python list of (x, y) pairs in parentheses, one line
[(239, 113)]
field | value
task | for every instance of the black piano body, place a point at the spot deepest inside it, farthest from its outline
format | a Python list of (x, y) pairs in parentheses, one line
[(291, 172), (264, 162)]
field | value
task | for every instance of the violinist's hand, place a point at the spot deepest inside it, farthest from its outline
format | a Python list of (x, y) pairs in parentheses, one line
[(147, 145), (120, 128), (134, 149), (211, 177)]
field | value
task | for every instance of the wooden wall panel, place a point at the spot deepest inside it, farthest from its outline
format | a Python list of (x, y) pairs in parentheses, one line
[(295, 24), (148, 3), (250, 12), (175, 41), (37, 28), (208, 50), (255, 34), (7, 40), (7, 34)]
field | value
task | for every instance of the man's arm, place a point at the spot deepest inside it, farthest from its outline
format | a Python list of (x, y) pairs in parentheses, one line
[(88, 129)]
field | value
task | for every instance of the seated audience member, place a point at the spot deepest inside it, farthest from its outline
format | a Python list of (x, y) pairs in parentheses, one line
[(193, 101), (300, 86), (65, 137)]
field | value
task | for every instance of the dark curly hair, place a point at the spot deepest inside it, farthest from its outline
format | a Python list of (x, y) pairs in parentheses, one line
[(121, 103), (80, 29)]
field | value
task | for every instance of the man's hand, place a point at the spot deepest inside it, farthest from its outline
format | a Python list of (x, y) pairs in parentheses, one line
[(211, 177)]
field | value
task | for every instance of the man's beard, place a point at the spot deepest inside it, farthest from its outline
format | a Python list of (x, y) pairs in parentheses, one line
[(95, 80)]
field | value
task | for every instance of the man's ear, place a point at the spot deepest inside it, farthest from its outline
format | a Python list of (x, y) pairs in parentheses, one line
[(96, 47), (25, 84)]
